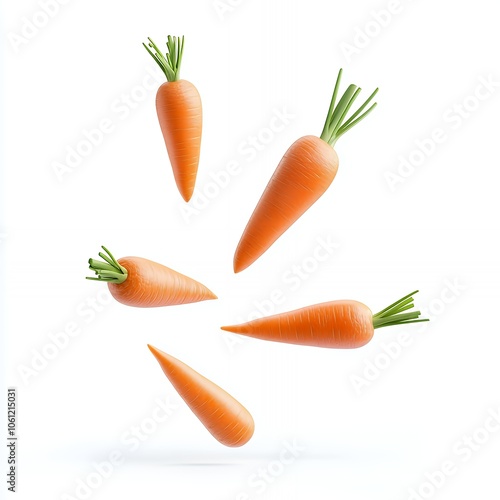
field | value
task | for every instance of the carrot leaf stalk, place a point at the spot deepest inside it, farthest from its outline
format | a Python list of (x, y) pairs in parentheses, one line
[(170, 63), (394, 315), (110, 270), (336, 124)]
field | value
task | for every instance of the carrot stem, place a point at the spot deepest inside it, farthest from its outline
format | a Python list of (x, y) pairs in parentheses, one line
[(335, 124), (394, 315), (110, 270), (170, 63)]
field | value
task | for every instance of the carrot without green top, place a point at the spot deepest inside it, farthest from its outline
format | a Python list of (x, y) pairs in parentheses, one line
[(225, 418), (303, 175), (179, 110), (139, 282), (341, 324)]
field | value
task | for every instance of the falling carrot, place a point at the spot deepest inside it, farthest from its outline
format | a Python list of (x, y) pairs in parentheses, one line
[(341, 324), (225, 418), (178, 106), (303, 175), (139, 282)]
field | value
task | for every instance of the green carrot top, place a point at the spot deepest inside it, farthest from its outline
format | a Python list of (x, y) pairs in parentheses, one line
[(395, 315), (336, 124), (170, 63), (108, 269)]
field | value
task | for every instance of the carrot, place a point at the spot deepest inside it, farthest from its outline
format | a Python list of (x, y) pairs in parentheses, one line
[(303, 175), (225, 418), (139, 282), (178, 106), (341, 324)]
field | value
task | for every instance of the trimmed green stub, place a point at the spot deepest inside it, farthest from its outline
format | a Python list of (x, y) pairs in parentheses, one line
[(170, 63), (394, 315), (336, 124), (109, 270)]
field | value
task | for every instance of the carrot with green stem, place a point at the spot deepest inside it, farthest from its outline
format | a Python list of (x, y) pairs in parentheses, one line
[(303, 175), (341, 324), (225, 418), (179, 110), (139, 282)]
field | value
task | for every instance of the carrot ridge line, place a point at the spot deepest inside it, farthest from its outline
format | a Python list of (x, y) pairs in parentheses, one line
[(336, 124), (395, 315), (170, 63), (109, 270)]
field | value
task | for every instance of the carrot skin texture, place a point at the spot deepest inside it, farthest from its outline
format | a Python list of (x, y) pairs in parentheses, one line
[(224, 417), (340, 324), (150, 284), (178, 105), (303, 175)]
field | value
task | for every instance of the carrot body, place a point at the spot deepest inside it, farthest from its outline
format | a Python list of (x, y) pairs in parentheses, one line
[(342, 324), (225, 418), (139, 282), (179, 110), (303, 175), (150, 284), (178, 106)]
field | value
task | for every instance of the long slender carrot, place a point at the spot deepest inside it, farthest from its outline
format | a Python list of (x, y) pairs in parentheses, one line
[(303, 175), (341, 324), (139, 282), (225, 418), (178, 106)]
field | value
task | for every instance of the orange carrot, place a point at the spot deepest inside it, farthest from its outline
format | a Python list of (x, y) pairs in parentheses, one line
[(178, 106), (139, 282), (341, 324), (303, 175), (225, 418)]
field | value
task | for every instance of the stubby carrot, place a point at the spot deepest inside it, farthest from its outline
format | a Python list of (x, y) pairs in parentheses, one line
[(225, 418), (303, 175), (178, 105), (341, 324), (139, 282)]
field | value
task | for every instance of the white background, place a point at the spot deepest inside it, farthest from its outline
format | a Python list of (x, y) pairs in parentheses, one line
[(436, 231)]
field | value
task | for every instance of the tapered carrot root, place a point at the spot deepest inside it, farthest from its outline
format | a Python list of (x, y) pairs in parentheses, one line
[(139, 282), (224, 417), (303, 175), (150, 284), (341, 324), (179, 110)]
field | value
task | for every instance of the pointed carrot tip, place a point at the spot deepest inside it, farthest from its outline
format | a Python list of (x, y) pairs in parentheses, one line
[(226, 328), (186, 196), (240, 264), (236, 262), (154, 351)]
